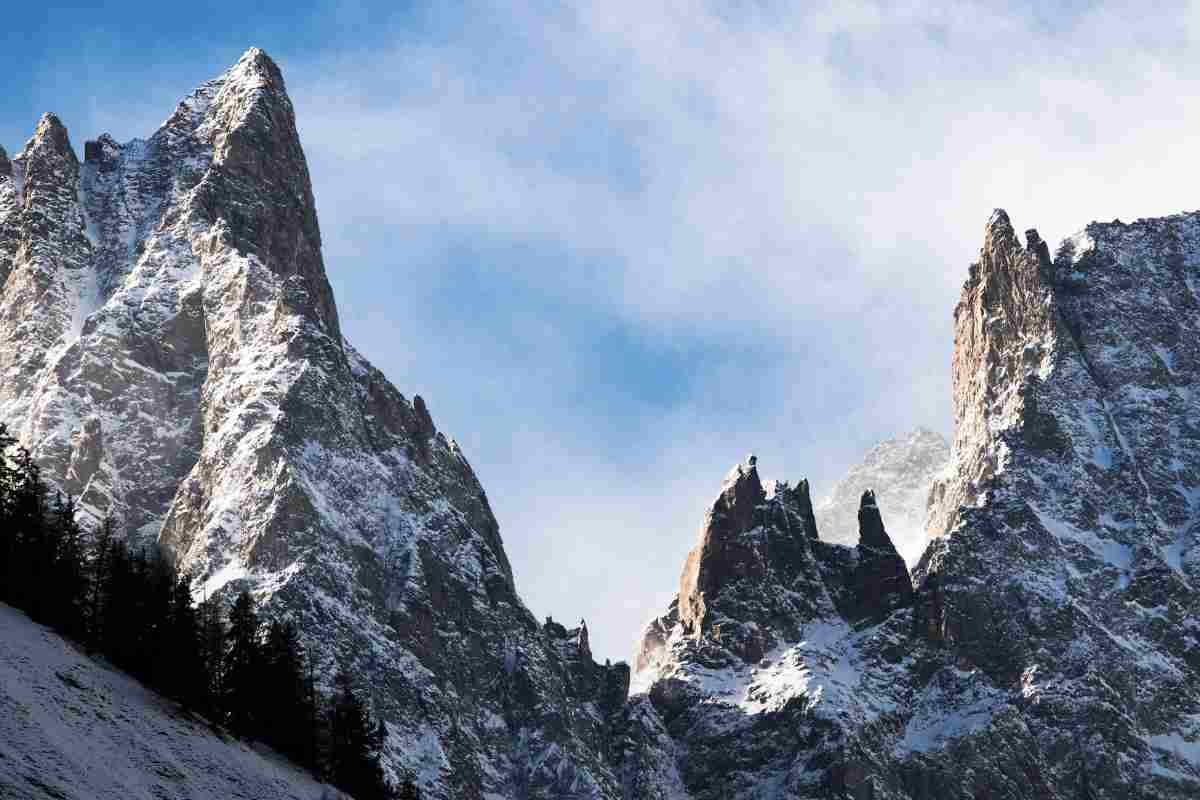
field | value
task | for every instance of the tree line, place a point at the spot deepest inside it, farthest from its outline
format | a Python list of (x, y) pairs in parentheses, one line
[(229, 665)]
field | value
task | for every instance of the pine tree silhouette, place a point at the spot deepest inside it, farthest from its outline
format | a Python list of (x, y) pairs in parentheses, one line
[(67, 588), (8, 483), (355, 745), (240, 695), (286, 716)]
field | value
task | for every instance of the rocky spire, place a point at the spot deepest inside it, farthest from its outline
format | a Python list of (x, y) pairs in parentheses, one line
[(5, 164), (881, 582), (49, 251), (260, 186), (871, 534), (50, 170), (1003, 325), (719, 557), (752, 580)]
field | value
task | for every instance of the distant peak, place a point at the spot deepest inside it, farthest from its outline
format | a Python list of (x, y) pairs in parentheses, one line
[(5, 164)]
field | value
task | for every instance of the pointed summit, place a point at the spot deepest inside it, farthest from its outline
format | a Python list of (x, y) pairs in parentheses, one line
[(256, 69), (50, 145), (50, 129), (5, 164), (870, 524), (259, 183), (881, 580), (255, 60)]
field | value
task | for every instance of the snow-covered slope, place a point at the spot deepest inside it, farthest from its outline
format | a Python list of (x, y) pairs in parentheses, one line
[(171, 352), (900, 472), (73, 729)]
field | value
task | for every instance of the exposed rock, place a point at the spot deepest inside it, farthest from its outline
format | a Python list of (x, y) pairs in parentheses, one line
[(880, 580), (1070, 566), (733, 698)]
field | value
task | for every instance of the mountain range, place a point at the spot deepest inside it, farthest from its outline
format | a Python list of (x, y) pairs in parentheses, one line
[(172, 355)]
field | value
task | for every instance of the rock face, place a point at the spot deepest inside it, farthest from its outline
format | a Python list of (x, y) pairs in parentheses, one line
[(900, 471), (1075, 499), (171, 352), (1052, 649), (753, 683)]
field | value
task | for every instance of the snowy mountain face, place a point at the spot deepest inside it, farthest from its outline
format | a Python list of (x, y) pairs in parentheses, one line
[(900, 471), (1050, 648), (71, 729), (171, 353)]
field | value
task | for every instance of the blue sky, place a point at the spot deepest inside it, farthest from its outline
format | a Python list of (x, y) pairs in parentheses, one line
[(617, 246)]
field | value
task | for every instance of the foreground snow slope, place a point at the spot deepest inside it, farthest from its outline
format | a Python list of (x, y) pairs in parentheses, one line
[(74, 729)]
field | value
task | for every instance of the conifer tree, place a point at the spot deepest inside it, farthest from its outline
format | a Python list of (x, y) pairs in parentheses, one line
[(98, 568), (67, 588), (212, 649), (183, 668), (7, 537), (31, 563), (286, 715), (355, 745), (240, 687)]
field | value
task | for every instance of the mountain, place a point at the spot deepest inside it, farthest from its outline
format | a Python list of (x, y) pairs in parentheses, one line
[(1050, 648), (172, 355), (900, 471), (72, 729)]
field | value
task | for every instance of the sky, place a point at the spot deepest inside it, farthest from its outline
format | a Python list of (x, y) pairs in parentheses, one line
[(617, 246)]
